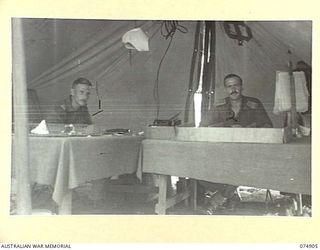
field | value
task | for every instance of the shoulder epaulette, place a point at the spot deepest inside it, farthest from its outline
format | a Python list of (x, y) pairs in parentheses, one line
[(221, 102), (252, 104)]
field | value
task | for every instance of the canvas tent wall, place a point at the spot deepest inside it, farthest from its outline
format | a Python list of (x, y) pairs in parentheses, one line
[(125, 82), (258, 60), (60, 50)]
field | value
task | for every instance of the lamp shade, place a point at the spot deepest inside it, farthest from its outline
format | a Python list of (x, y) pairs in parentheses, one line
[(136, 39)]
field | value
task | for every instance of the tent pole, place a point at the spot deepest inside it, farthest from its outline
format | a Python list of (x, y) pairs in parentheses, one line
[(209, 66), (205, 70), (21, 157), (196, 57), (212, 64)]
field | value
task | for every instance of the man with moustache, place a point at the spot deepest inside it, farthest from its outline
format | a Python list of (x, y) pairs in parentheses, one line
[(236, 110)]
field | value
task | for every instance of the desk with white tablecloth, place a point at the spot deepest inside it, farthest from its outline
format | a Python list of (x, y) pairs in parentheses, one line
[(68, 162), (283, 167)]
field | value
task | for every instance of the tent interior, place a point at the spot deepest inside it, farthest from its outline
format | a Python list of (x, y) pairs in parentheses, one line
[(133, 88)]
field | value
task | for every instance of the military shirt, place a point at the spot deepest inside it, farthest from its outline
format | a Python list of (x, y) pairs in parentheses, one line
[(251, 114), (67, 114)]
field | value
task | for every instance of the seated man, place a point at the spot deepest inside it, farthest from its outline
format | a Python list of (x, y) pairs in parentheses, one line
[(74, 110), (236, 110)]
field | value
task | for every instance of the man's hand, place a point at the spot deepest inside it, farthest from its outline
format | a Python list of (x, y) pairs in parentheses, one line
[(217, 124), (252, 125)]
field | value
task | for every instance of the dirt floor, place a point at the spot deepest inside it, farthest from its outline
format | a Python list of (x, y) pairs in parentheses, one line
[(252, 202)]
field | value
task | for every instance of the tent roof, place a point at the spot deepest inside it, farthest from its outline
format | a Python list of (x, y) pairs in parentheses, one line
[(59, 50)]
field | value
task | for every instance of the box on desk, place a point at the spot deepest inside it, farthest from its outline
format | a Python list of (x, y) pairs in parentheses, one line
[(215, 134)]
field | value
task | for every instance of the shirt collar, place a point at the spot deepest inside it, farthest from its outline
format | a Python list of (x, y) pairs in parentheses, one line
[(68, 105)]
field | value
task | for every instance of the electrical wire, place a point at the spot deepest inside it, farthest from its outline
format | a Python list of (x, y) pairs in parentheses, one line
[(168, 29), (156, 86)]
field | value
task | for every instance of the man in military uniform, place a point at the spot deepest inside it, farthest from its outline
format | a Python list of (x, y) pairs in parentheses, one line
[(74, 110), (236, 110)]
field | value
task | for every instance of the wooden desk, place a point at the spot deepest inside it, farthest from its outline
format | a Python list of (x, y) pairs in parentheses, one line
[(68, 162), (283, 167)]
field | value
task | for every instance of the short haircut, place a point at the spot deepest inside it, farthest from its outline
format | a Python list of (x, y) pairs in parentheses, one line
[(81, 80), (232, 76)]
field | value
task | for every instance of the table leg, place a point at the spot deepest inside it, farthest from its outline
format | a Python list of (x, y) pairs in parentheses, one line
[(300, 205), (182, 187), (66, 204), (162, 199), (194, 191)]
